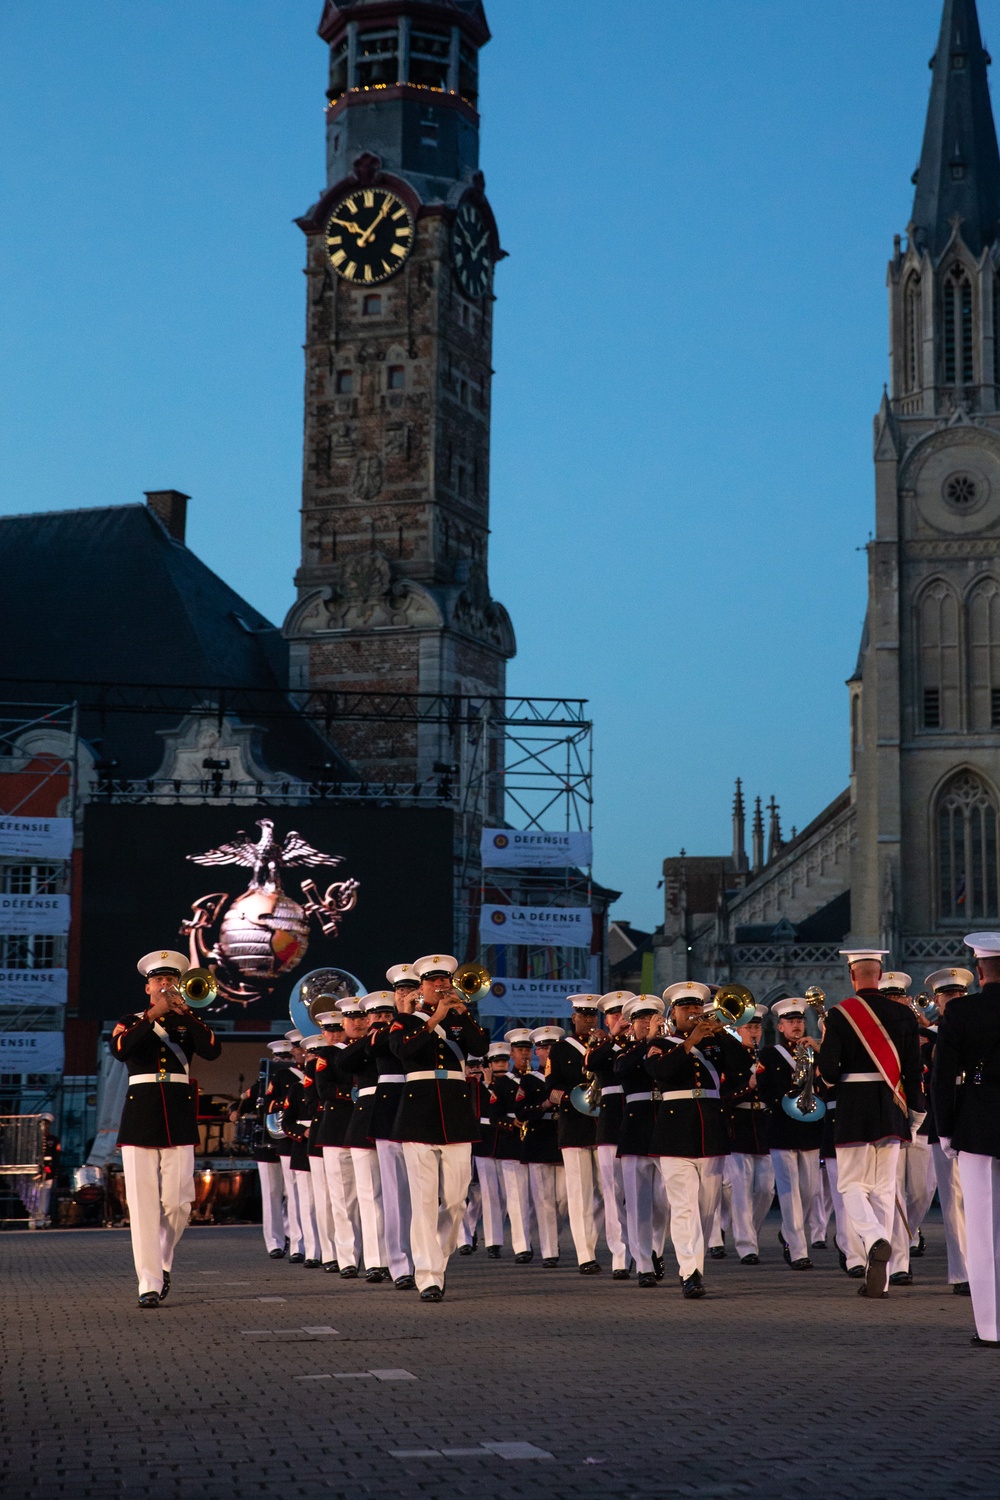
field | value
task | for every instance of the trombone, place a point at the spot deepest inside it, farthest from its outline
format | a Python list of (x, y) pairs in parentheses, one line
[(472, 981), (198, 988)]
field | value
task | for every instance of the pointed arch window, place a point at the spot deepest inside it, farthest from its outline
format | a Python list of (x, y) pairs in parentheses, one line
[(984, 654), (967, 867), (912, 335), (958, 363), (938, 657), (996, 330)]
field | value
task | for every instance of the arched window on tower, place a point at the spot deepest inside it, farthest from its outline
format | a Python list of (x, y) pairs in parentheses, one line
[(938, 657), (958, 364), (984, 655), (968, 873), (912, 335), (996, 330)]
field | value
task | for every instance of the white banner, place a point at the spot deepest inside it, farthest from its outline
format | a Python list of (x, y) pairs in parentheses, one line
[(26, 915), (541, 926), (31, 1052), (36, 838), (530, 997), (505, 848), (33, 986)]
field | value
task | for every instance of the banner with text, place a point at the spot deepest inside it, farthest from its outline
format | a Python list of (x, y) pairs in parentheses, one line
[(506, 848), (33, 986), (530, 997), (22, 916), (541, 926), (36, 838), (31, 1051)]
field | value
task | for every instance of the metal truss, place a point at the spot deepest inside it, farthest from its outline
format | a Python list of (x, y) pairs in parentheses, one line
[(27, 780)]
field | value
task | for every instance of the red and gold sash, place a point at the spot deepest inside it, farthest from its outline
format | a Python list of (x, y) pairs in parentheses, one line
[(877, 1043)]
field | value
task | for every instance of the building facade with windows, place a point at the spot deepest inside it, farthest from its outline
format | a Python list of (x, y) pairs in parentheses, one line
[(908, 857)]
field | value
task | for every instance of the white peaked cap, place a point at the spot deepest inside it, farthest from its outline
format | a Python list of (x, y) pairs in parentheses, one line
[(949, 979), (984, 944), (434, 963), (350, 1006), (860, 955), (689, 992), (547, 1034), (793, 1006), (498, 1049), (402, 974), (585, 1002), (520, 1037), (278, 1048), (293, 1036), (895, 980), (163, 959), (329, 1019), (312, 1042), (639, 1005), (759, 1012), (616, 1000), (379, 1000)]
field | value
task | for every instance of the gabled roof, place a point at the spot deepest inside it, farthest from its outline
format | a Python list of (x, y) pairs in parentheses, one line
[(959, 172)]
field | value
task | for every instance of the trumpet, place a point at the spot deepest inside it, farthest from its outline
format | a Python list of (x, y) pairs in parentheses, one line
[(472, 982), (198, 988)]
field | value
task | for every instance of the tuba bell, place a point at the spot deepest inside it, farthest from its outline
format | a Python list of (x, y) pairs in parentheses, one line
[(472, 982)]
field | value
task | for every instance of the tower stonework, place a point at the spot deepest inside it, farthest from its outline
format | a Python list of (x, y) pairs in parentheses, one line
[(925, 701), (393, 588)]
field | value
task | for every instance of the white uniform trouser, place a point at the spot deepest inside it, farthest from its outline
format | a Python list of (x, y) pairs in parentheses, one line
[(321, 1208), (517, 1191), (693, 1185), (645, 1209), (472, 1214), (302, 1187), (920, 1183), (847, 1236), (949, 1186), (796, 1177), (159, 1190), (866, 1177), (369, 1181), (272, 1202), (343, 1192), (980, 1176), (818, 1222), (395, 1208), (901, 1234), (296, 1243), (547, 1178), (491, 1190), (580, 1165), (613, 1194), (439, 1183), (751, 1185)]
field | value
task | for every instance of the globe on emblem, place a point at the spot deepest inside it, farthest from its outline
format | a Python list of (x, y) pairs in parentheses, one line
[(264, 935)]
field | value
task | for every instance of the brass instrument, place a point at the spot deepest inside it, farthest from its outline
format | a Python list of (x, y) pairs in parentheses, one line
[(198, 988), (732, 1006), (816, 998), (924, 1008), (801, 1102), (472, 982), (586, 1097)]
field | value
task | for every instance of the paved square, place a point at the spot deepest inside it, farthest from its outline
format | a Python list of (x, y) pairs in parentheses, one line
[(524, 1383)]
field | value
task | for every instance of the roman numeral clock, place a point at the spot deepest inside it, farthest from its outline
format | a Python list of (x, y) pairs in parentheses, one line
[(369, 235)]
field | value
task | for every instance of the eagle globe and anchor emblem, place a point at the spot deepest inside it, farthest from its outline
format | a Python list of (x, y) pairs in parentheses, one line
[(263, 934)]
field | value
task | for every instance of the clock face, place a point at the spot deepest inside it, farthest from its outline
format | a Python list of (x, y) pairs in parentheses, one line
[(369, 236), (470, 251)]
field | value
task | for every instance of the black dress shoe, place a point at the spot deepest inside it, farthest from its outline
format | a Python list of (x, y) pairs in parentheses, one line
[(166, 1286), (432, 1294), (405, 1283), (621, 1275), (962, 1289), (524, 1257), (149, 1299), (818, 1245), (975, 1340), (296, 1259), (311, 1263), (750, 1260), (784, 1248), (918, 1249), (901, 1278), (549, 1261), (803, 1264), (492, 1252), (856, 1273), (842, 1258), (875, 1296), (648, 1278), (876, 1270), (657, 1266), (693, 1286), (349, 1273), (466, 1249), (331, 1267), (716, 1252), (590, 1268), (373, 1275), (277, 1254)]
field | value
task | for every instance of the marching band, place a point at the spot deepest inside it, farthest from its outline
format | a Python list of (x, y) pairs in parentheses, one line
[(399, 1133)]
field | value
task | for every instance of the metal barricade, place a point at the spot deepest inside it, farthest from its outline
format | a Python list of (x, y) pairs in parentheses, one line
[(22, 1145)]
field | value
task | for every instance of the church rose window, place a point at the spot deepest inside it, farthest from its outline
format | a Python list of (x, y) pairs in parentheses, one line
[(968, 875)]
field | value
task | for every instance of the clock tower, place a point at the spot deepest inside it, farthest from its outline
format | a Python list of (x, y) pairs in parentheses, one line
[(393, 588)]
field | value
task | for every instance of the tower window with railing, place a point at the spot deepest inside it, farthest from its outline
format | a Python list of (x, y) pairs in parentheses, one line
[(378, 58), (958, 361), (430, 58), (967, 853)]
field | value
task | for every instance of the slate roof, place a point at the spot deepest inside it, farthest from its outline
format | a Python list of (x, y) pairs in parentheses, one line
[(959, 172), (108, 595)]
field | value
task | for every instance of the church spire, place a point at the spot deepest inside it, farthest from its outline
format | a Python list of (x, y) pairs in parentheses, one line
[(959, 172), (739, 828)]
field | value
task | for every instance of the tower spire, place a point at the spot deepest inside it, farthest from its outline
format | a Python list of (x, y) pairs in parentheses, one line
[(959, 172), (739, 828), (758, 837)]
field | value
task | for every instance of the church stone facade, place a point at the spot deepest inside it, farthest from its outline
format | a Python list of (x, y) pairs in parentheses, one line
[(907, 857), (393, 588)]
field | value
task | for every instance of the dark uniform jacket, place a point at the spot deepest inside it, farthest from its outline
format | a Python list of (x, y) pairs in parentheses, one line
[(968, 1049), (540, 1144), (358, 1070), (485, 1111), (928, 1042), (276, 1089), (867, 1112), (774, 1081), (436, 1109), (333, 1093), (254, 1102), (508, 1143), (160, 1114), (566, 1070), (601, 1060), (748, 1118), (389, 1089), (296, 1116), (639, 1108), (695, 1126)]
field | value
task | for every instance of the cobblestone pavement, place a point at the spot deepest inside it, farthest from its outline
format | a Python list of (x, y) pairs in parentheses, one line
[(258, 1378)]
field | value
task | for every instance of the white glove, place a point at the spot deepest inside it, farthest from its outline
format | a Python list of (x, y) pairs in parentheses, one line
[(947, 1148), (916, 1120)]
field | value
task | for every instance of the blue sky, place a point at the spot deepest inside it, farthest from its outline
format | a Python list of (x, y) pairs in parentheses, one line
[(698, 201)]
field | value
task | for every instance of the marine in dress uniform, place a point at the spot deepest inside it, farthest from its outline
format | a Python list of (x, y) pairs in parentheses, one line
[(915, 1166), (159, 1126), (314, 1047), (748, 1172), (966, 1088), (334, 1094), (405, 988), (435, 1121), (483, 1199), (516, 1176), (601, 1058), (871, 1053), (281, 1052), (946, 985), (794, 1144), (645, 1196), (358, 1071), (695, 1067), (540, 1145), (297, 1112), (274, 1221), (577, 1132)]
